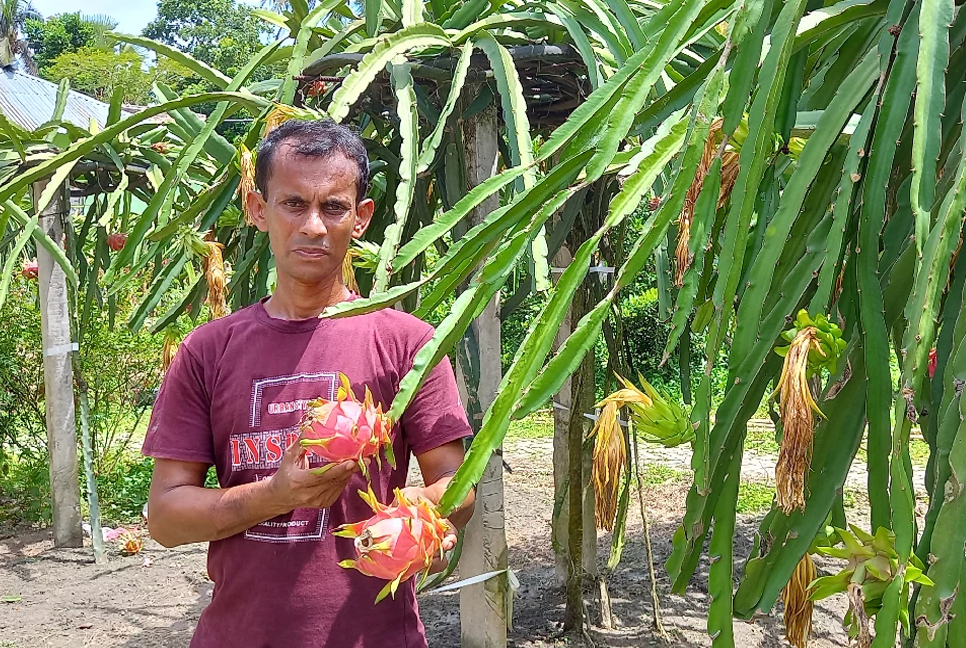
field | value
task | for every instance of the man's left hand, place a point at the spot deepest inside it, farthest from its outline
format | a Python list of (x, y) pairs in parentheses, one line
[(416, 493)]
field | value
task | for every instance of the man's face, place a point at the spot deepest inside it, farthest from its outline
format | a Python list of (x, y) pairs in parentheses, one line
[(311, 214)]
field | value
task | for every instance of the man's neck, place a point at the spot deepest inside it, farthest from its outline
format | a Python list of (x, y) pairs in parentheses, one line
[(295, 301)]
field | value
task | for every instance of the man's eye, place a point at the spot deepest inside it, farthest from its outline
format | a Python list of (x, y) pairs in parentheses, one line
[(294, 204)]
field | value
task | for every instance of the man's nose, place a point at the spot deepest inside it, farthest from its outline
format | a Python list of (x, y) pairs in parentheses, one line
[(313, 225)]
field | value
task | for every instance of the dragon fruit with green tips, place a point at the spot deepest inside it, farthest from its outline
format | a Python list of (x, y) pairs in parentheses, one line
[(398, 542), (346, 429)]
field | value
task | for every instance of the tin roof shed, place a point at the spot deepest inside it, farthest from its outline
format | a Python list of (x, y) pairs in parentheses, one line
[(29, 102)]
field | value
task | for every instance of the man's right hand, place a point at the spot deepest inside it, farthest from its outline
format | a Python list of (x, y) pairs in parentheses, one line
[(294, 485), (184, 511)]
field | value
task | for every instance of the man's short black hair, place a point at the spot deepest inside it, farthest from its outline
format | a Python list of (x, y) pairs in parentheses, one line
[(316, 139)]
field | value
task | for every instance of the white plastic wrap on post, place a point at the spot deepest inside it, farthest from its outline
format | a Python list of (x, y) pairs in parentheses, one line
[(58, 380)]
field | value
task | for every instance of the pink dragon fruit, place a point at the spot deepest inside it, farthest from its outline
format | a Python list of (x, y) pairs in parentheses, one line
[(116, 241), (30, 270), (346, 429), (396, 543)]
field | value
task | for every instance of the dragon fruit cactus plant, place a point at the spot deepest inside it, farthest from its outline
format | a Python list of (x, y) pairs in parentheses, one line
[(346, 429), (396, 543)]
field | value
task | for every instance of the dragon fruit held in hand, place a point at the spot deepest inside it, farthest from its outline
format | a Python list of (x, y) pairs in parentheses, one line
[(397, 542), (346, 429)]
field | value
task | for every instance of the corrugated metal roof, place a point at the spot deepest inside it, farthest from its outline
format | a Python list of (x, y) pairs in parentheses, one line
[(29, 101)]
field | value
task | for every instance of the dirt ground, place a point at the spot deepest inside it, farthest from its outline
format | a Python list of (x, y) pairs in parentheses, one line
[(55, 598)]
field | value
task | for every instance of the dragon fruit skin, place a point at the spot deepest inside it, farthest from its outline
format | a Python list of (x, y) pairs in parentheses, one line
[(346, 429), (396, 543), (116, 241), (30, 270)]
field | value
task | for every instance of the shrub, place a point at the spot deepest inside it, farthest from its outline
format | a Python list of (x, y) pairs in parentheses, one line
[(122, 369)]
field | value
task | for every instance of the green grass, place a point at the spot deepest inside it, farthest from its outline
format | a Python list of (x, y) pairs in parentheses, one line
[(761, 440), (918, 452), (852, 496), (656, 474), (538, 425), (754, 497)]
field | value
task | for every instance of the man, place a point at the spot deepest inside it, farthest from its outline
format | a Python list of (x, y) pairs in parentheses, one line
[(233, 398)]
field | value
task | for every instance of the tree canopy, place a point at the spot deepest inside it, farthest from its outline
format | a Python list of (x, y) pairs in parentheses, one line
[(13, 47), (63, 33), (222, 33), (99, 72)]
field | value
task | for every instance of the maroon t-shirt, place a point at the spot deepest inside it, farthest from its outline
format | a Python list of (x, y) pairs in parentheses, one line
[(233, 398)]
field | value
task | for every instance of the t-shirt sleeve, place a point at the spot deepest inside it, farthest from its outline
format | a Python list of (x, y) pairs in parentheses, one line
[(180, 427), (436, 415)]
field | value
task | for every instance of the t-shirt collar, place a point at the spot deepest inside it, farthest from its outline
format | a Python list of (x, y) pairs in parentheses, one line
[(291, 326)]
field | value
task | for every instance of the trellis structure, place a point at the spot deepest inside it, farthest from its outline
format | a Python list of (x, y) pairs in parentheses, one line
[(553, 82), (38, 119)]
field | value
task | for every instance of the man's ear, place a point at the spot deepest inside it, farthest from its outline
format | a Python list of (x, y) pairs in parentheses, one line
[(364, 211), (256, 210)]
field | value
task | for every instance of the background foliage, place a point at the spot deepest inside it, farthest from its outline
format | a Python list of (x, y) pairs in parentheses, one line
[(806, 156)]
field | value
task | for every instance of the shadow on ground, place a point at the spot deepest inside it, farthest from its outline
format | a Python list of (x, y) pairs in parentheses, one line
[(538, 611)]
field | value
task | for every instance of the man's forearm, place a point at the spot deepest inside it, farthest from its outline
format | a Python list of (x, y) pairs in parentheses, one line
[(188, 513)]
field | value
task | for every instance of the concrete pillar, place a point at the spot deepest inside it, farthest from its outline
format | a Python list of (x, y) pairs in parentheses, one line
[(58, 378), (483, 606)]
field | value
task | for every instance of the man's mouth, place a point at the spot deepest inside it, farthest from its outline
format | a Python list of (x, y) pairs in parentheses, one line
[(310, 252)]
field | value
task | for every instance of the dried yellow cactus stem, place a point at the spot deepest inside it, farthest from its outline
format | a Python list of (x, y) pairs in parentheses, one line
[(798, 605), (798, 423)]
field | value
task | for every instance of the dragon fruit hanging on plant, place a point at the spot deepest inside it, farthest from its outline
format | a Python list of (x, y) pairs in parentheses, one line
[(398, 542), (347, 429), (30, 270)]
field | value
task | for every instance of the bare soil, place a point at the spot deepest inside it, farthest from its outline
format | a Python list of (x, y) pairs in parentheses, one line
[(58, 598)]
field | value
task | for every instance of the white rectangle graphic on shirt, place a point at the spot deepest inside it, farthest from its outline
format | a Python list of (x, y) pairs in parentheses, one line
[(327, 388), (301, 525), (292, 530)]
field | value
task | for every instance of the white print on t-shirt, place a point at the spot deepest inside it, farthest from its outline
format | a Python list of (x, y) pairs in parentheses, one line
[(278, 402), (261, 450), (288, 407), (327, 381), (301, 525)]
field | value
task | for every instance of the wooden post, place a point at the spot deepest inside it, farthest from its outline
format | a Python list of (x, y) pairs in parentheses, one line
[(582, 400), (561, 466), (58, 378), (561, 462), (483, 607)]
